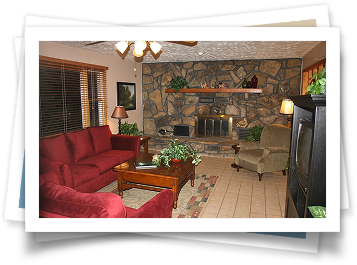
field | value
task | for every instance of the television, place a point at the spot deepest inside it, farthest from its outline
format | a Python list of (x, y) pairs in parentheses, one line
[(304, 151)]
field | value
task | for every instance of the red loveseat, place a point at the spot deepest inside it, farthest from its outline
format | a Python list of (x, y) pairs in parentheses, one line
[(84, 160), (57, 201)]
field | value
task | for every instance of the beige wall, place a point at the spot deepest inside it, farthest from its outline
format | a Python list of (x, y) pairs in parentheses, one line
[(119, 71), (316, 54)]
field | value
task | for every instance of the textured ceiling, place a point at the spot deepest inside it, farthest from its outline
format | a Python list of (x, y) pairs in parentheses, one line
[(212, 50)]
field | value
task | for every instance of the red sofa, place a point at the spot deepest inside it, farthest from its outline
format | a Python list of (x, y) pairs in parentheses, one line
[(58, 201), (84, 160)]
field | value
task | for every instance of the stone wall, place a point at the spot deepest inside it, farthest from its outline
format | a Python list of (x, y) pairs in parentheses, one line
[(279, 78)]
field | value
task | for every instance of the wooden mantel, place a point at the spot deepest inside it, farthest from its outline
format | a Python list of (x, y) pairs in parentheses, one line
[(216, 90)]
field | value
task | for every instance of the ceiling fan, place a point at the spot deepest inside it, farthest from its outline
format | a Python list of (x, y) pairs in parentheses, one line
[(140, 46)]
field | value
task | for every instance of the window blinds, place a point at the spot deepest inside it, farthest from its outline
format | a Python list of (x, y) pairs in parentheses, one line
[(73, 96)]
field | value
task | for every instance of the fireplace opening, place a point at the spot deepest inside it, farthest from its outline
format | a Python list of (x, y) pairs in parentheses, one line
[(213, 125)]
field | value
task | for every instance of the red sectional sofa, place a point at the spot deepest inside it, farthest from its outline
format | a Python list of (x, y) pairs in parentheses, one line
[(84, 160), (58, 201)]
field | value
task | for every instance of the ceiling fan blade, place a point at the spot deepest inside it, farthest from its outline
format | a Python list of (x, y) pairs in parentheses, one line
[(96, 42), (186, 43)]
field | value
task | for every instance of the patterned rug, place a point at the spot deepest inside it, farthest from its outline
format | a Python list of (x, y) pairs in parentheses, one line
[(192, 201)]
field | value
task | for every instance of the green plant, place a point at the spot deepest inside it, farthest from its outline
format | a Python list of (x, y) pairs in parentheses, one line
[(178, 82), (318, 84), (318, 211), (176, 150), (130, 129), (254, 133)]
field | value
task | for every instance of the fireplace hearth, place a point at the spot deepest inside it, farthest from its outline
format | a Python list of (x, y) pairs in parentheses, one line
[(213, 125)]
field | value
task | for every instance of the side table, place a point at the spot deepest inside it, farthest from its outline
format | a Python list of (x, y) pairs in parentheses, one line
[(144, 141)]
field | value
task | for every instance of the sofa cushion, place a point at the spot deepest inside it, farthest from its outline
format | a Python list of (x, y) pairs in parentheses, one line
[(55, 149), (108, 159), (100, 137), (82, 174), (101, 161), (61, 201), (79, 145), (122, 155)]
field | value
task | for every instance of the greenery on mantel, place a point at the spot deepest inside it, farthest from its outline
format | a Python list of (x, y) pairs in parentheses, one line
[(178, 82)]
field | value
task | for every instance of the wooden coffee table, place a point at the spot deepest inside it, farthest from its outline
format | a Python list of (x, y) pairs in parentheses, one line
[(157, 179)]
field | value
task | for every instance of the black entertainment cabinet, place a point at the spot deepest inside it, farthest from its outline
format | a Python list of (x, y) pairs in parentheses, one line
[(307, 169)]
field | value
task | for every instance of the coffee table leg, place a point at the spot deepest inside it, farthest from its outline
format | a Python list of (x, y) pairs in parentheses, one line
[(120, 186), (174, 189)]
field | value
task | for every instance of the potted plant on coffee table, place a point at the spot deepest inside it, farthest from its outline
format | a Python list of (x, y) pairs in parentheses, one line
[(175, 152)]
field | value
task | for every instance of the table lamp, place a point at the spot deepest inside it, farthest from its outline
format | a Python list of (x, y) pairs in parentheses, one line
[(119, 113), (287, 108)]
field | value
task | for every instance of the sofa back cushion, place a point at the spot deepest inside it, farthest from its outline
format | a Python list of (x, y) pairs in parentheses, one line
[(61, 201), (55, 148), (79, 145), (100, 137)]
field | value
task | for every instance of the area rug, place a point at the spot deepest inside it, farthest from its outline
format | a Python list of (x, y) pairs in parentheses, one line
[(192, 201)]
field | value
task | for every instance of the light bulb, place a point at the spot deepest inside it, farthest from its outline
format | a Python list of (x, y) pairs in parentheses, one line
[(155, 47), (122, 46), (138, 53), (140, 45)]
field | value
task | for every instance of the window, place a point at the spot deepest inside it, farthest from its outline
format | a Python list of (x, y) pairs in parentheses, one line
[(73, 96)]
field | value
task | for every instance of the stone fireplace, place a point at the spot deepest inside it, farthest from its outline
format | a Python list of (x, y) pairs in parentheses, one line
[(278, 78), (213, 125)]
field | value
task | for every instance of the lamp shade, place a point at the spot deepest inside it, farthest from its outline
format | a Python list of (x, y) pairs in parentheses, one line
[(119, 113), (287, 106)]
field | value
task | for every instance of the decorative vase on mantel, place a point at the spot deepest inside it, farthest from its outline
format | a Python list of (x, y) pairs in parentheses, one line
[(244, 84), (254, 81)]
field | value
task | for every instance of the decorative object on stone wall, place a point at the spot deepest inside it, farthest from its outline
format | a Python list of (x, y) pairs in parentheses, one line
[(249, 84), (255, 81), (244, 84), (163, 131)]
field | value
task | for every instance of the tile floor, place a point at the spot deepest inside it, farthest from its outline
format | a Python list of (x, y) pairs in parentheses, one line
[(241, 194)]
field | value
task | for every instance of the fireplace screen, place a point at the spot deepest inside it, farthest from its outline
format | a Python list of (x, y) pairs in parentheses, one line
[(213, 125)]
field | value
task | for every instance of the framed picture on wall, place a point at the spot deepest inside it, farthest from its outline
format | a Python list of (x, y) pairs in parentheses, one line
[(126, 95)]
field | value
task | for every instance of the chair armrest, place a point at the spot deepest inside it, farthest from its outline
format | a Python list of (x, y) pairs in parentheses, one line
[(126, 142), (278, 149), (246, 145), (158, 207)]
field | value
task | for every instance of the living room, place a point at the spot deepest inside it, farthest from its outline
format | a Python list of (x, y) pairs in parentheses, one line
[(279, 78)]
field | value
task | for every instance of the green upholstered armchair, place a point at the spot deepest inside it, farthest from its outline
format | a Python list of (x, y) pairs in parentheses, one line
[(267, 155)]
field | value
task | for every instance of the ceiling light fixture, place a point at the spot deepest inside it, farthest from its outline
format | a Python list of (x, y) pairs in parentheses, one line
[(139, 47), (200, 53)]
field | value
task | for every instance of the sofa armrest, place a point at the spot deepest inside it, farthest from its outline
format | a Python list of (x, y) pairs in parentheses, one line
[(62, 170), (247, 145), (126, 142), (158, 207)]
